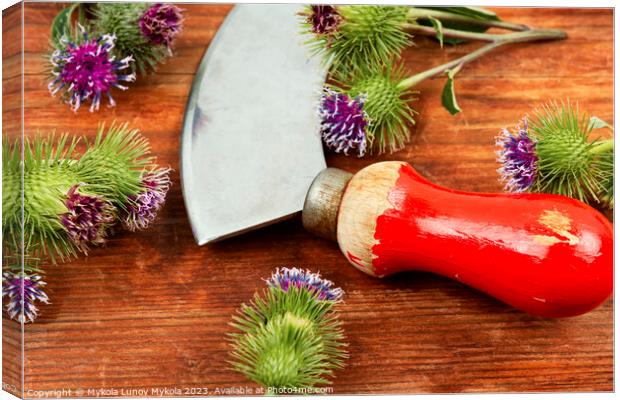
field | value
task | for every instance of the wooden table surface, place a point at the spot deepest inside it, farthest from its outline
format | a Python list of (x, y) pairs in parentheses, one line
[(150, 310)]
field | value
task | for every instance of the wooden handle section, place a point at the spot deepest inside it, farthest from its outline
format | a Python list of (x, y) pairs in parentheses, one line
[(547, 255)]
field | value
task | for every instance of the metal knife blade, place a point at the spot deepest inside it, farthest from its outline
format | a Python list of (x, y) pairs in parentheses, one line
[(250, 145)]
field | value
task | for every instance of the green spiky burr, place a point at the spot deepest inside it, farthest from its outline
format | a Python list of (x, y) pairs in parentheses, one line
[(365, 36), (124, 155), (12, 189), (122, 20), (107, 176), (388, 106), (47, 176), (556, 151), (570, 162), (289, 337)]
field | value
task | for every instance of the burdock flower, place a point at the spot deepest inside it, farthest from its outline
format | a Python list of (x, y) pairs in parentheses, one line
[(23, 290), (87, 219), (88, 70), (552, 153), (350, 38), (343, 122), (290, 336), (518, 157), (323, 19), (286, 278), (142, 209), (161, 23)]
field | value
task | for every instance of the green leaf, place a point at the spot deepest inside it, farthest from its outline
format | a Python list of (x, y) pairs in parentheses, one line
[(448, 98), (472, 12), (439, 29), (61, 26), (597, 123)]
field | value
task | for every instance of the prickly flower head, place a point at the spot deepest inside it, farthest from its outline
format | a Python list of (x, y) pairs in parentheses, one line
[(23, 291), (87, 218), (343, 122), (142, 208), (323, 19), (161, 23), (517, 154), (352, 38), (290, 336), (87, 70), (286, 278), (387, 115)]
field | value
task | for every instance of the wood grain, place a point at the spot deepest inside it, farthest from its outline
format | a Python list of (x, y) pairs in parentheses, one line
[(12, 333), (150, 310)]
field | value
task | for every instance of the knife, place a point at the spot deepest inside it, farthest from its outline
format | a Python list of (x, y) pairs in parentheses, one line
[(251, 155)]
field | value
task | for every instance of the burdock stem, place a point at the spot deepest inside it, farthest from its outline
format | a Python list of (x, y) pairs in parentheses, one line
[(499, 40), (421, 13), (452, 33)]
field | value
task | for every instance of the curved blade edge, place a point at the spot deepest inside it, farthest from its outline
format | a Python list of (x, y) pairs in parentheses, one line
[(250, 145)]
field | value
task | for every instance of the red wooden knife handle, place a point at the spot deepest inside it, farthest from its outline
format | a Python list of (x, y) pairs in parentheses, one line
[(547, 255)]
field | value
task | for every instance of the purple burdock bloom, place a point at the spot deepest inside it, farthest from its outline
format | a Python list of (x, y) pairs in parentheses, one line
[(141, 210), (88, 70), (23, 291), (518, 157), (285, 278), (87, 219), (343, 122), (324, 19), (161, 23)]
